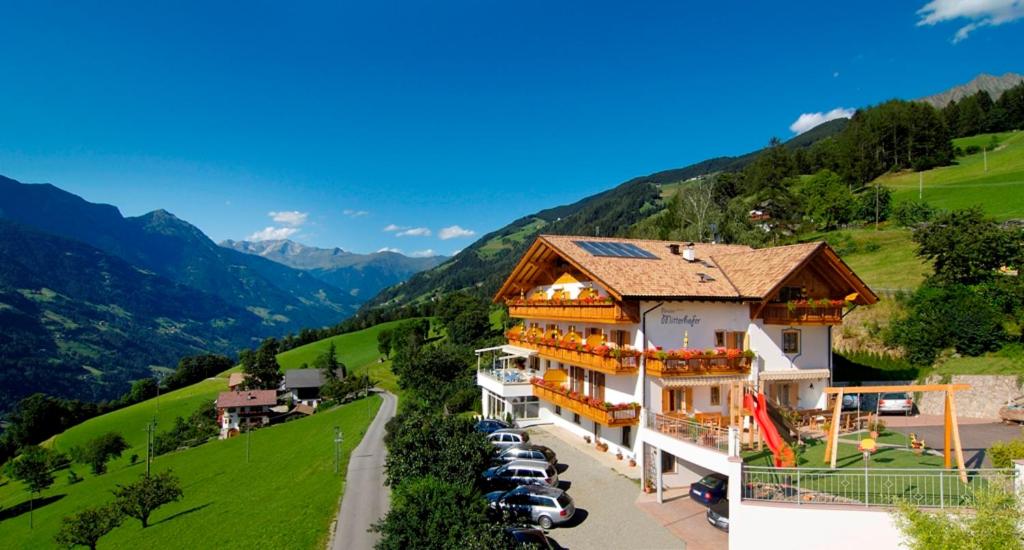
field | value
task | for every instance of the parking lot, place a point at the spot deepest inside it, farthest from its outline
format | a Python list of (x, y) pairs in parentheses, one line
[(605, 504)]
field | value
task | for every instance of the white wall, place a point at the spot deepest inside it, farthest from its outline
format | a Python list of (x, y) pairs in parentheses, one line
[(766, 340), (611, 436), (796, 527), (668, 325)]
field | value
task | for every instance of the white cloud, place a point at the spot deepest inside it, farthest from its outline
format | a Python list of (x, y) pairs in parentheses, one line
[(354, 213), (414, 232), (273, 233), (389, 249), (391, 227), (423, 253), (454, 232), (810, 120), (293, 218), (980, 13)]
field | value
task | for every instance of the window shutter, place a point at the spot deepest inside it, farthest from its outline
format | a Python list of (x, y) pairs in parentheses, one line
[(666, 400), (794, 394), (688, 392)]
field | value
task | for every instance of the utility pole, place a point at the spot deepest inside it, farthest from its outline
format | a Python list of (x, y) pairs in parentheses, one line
[(984, 155), (876, 206), (920, 185), (248, 441), (150, 429), (337, 449)]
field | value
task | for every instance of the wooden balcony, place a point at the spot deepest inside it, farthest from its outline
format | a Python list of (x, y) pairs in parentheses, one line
[(700, 366), (608, 364), (620, 417), (802, 314), (574, 310)]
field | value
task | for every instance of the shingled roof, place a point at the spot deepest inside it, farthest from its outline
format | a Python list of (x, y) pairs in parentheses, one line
[(719, 271), (251, 398)]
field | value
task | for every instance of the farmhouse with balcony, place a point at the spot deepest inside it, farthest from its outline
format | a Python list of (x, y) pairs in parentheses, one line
[(241, 409)]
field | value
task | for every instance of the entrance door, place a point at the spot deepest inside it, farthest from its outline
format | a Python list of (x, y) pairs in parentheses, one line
[(668, 463), (678, 400), (597, 385)]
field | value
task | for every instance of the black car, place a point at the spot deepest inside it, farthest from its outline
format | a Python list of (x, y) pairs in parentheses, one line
[(710, 489), (718, 515), (525, 451), (491, 425), (530, 538)]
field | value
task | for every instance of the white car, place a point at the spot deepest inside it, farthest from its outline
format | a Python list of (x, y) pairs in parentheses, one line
[(896, 403)]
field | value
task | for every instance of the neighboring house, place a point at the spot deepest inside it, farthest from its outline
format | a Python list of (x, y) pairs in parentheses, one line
[(610, 327), (303, 385), (238, 409), (236, 379)]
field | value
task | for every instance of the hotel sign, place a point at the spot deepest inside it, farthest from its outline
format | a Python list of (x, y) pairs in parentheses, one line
[(680, 319)]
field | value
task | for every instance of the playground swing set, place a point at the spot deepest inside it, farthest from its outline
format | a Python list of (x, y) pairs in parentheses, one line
[(952, 445)]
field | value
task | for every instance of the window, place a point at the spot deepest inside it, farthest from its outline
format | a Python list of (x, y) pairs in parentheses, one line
[(790, 341), (729, 339), (558, 410), (621, 338), (716, 396), (576, 418), (596, 385), (525, 407), (626, 433), (790, 293)]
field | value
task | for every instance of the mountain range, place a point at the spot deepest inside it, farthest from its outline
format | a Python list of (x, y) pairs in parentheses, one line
[(994, 85), (362, 275), (91, 299)]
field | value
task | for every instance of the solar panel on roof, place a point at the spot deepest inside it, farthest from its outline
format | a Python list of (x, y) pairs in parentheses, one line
[(615, 250)]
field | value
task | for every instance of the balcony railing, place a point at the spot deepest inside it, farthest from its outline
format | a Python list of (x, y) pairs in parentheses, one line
[(596, 311), (665, 364), (599, 358), (825, 312), (712, 437), (510, 376), (935, 488), (617, 415)]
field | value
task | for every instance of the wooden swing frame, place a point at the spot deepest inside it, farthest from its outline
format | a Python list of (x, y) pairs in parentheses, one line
[(952, 430)]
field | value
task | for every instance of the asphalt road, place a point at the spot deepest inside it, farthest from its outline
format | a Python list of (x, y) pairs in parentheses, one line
[(366, 498), (975, 439)]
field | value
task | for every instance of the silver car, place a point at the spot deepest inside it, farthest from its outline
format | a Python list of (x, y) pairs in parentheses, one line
[(896, 403), (520, 472), (508, 438), (543, 506)]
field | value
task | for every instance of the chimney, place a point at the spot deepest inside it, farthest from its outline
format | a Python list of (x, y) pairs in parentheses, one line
[(689, 254), (674, 249)]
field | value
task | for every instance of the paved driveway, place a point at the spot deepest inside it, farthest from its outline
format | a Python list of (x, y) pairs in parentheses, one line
[(606, 511), (974, 438)]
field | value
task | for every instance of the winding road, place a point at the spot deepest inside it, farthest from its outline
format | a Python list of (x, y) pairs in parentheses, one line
[(366, 497)]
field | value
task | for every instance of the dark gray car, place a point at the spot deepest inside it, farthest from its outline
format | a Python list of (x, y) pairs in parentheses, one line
[(543, 506)]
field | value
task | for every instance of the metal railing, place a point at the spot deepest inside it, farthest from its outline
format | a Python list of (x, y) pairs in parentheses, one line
[(511, 376), (920, 487), (712, 437)]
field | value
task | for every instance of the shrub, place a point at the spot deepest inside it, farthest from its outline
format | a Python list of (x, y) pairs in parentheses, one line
[(993, 525), (912, 212), (1003, 453), (140, 499), (87, 527)]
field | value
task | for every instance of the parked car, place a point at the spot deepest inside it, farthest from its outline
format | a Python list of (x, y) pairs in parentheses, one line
[(718, 515), (710, 489), (530, 538), (851, 401), (520, 472), (491, 425), (543, 506), (896, 403), (526, 451), (508, 437)]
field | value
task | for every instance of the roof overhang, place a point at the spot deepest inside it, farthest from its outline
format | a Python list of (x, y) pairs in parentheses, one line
[(795, 374), (531, 263), (510, 350)]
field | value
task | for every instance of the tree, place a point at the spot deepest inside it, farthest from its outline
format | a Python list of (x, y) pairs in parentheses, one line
[(328, 363), (967, 247), (142, 390), (140, 499), (430, 370), (262, 367), (384, 342), (33, 469), (466, 318), (87, 527), (432, 512), (828, 201), (994, 524), (425, 443), (197, 367), (97, 452)]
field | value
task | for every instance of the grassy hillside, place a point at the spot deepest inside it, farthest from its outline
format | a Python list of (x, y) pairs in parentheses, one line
[(999, 191), (885, 259), (284, 497)]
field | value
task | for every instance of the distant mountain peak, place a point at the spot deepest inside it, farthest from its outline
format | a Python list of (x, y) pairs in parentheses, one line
[(994, 85)]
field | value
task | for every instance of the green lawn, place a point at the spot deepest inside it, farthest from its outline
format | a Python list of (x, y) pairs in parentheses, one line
[(131, 421), (1007, 361), (885, 258), (999, 191), (284, 497), (812, 454)]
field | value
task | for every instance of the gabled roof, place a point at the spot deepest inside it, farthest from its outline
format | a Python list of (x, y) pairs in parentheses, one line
[(306, 378), (251, 398), (719, 272)]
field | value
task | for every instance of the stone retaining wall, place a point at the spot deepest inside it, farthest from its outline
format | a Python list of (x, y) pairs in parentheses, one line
[(983, 400)]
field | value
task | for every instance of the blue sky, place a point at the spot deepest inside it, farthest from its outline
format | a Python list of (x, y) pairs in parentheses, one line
[(331, 122)]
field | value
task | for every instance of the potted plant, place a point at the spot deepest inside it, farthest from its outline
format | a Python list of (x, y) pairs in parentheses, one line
[(587, 439), (632, 462), (618, 455)]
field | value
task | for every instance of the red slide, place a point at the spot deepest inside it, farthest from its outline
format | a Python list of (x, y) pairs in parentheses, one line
[(775, 443)]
